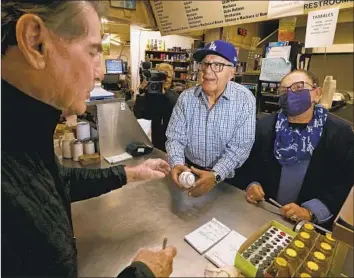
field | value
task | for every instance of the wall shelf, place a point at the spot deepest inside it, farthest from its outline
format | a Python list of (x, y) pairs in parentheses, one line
[(334, 49), (168, 52), (168, 61)]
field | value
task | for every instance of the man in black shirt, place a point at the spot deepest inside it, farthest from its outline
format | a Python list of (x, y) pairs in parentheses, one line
[(157, 107), (50, 59)]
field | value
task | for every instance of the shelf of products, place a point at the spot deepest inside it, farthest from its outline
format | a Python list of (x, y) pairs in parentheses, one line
[(167, 52), (167, 61), (179, 58)]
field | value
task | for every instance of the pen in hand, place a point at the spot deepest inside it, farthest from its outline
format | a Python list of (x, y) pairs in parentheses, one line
[(275, 203), (164, 243)]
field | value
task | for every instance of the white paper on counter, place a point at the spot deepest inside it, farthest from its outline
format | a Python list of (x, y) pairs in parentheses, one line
[(224, 253), (207, 235), (321, 27), (100, 92)]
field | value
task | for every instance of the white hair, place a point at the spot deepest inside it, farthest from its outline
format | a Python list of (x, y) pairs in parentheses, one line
[(59, 16)]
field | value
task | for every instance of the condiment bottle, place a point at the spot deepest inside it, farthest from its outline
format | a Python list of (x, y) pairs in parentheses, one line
[(280, 268), (291, 257)]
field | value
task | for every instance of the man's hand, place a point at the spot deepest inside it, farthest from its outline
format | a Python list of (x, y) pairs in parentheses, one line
[(149, 169), (295, 212), (204, 184), (255, 193), (159, 262), (176, 171)]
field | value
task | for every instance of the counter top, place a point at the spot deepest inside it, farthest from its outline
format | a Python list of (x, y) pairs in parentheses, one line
[(111, 228)]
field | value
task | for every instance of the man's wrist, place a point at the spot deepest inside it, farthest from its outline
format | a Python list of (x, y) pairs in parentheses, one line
[(131, 173), (312, 217), (217, 177)]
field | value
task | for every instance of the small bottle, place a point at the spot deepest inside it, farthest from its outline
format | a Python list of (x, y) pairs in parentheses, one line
[(320, 259), (304, 275), (330, 240), (280, 268), (300, 248), (308, 228), (305, 238), (311, 268), (325, 248), (148, 44), (291, 257)]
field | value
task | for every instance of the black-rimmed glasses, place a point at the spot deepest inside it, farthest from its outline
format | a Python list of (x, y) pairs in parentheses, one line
[(296, 87), (215, 67)]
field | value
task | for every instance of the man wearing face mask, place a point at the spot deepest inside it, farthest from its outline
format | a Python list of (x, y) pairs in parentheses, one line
[(302, 156), (212, 126)]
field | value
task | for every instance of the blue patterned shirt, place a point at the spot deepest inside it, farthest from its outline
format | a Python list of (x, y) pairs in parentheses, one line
[(220, 138)]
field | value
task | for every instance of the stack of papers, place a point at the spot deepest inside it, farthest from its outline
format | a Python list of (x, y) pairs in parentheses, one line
[(100, 93), (222, 242), (207, 235), (224, 253)]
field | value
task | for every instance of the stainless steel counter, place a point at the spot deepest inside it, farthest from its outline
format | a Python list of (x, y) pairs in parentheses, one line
[(111, 228)]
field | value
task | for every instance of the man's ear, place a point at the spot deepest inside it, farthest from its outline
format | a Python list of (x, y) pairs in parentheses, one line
[(232, 74), (30, 34), (319, 93)]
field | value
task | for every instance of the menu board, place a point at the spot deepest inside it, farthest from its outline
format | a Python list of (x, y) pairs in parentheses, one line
[(181, 16), (175, 17), (321, 5)]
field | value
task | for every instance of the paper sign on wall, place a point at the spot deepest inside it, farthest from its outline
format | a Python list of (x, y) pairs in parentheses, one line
[(321, 27), (285, 8), (279, 52), (274, 69)]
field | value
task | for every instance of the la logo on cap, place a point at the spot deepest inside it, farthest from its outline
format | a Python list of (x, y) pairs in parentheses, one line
[(212, 46)]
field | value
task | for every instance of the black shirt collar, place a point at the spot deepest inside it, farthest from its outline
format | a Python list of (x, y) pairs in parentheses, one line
[(27, 124)]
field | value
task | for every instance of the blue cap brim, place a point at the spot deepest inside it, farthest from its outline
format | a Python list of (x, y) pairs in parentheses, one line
[(200, 54)]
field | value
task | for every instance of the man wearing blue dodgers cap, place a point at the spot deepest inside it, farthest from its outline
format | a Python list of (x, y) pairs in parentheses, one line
[(212, 127)]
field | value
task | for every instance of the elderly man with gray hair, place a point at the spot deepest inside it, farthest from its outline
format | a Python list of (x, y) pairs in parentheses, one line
[(50, 58)]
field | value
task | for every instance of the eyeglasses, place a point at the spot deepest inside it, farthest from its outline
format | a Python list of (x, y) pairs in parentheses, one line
[(296, 87), (215, 67)]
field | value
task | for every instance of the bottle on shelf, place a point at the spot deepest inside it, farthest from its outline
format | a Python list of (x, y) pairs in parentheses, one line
[(163, 45), (155, 44), (291, 257), (324, 248), (311, 268), (305, 238), (300, 248), (304, 275), (280, 268), (308, 228), (330, 240), (148, 44), (321, 260)]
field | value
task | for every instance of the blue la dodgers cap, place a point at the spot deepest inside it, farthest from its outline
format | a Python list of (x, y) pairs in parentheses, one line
[(220, 48)]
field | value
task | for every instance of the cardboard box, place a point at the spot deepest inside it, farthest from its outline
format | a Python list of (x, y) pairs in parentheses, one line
[(343, 229), (244, 265)]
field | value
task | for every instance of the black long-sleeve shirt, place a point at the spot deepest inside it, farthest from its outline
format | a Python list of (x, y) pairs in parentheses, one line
[(329, 176), (37, 236), (157, 108)]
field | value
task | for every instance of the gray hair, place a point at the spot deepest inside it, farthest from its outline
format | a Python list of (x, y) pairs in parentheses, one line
[(59, 16)]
